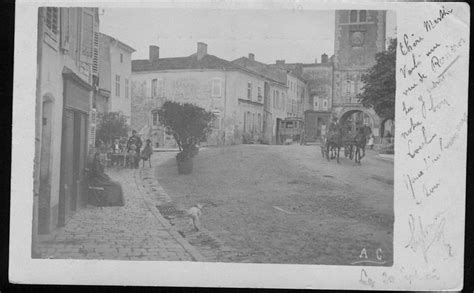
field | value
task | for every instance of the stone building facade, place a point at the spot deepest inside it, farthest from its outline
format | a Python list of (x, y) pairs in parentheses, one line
[(115, 71), (318, 105), (359, 35), (285, 92), (67, 77), (233, 94)]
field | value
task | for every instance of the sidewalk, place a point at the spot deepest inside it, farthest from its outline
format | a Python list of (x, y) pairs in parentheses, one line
[(135, 231)]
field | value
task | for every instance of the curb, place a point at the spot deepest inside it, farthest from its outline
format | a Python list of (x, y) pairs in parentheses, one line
[(151, 206), (385, 159)]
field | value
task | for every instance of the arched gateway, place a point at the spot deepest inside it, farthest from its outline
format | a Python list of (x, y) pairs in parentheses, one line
[(357, 116)]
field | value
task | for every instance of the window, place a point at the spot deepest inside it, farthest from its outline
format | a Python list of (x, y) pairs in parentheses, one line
[(350, 87), (121, 58), (259, 91), (154, 116), (278, 99), (362, 16), (274, 99), (249, 91), (325, 104), (126, 88), (245, 121), (259, 122), (216, 123), (161, 88), (87, 36), (216, 90), (253, 122), (353, 16), (52, 20), (315, 102), (154, 88), (117, 85)]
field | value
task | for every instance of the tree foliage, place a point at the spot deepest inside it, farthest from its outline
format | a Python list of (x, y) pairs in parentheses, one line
[(111, 125), (187, 123), (378, 91)]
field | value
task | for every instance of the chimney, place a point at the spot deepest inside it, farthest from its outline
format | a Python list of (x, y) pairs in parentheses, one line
[(280, 62), (252, 56), (154, 53), (201, 50), (324, 58)]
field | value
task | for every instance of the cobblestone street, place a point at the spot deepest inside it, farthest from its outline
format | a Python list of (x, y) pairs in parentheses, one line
[(135, 231)]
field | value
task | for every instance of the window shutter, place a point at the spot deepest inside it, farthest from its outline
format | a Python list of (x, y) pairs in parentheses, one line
[(52, 17), (87, 36), (95, 55), (64, 29)]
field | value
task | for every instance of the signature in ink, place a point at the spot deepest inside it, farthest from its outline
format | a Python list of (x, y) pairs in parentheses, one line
[(424, 237), (411, 276)]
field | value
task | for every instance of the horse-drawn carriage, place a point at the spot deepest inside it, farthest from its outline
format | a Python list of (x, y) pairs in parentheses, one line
[(353, 142), (290, 129)]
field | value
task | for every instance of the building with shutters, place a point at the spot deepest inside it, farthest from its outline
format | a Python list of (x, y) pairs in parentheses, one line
[(115, 70), (234, 94), (67, 77), (284, 94)]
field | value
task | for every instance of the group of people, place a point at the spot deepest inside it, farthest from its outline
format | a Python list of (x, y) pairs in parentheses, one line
[(334, 127), (104, 191), (133, 150)]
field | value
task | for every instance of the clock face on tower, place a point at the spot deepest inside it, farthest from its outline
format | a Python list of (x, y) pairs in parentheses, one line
[(357, 39)]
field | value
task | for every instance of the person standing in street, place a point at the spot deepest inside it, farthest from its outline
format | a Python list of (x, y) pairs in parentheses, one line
[(137, 142), (371, 142)]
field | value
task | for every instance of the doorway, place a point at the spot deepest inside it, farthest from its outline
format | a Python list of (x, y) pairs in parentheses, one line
[(44, 205), (73, 160)]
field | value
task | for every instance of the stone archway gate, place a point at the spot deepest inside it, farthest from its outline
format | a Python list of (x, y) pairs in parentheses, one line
[(343, 112)]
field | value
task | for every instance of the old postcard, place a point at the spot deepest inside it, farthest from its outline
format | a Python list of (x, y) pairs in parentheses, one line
[(283, 144)]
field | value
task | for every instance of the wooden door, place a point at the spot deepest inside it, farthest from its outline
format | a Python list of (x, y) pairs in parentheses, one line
[(67, 167)]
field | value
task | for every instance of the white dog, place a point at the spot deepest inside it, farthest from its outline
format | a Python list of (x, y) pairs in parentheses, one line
[(194, 214)]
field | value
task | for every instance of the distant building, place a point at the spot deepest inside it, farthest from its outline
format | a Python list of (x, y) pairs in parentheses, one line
[(115, 73), (277, 100), (234, 94), (297, 87), (318, 106), (67, 77)]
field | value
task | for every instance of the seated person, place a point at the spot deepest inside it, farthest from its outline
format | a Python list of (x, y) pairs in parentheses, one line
[(132, 156), (116, 149), (112, 194), (146, 153)]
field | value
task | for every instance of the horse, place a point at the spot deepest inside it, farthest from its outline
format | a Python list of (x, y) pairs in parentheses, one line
[(348, 140), (334, 144), (360, 143)]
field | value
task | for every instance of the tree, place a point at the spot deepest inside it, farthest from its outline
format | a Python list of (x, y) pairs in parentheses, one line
[(187, 123), (379, 87), (111, 125)]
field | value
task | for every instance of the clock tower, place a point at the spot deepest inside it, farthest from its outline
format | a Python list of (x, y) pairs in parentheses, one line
[(359, 35)]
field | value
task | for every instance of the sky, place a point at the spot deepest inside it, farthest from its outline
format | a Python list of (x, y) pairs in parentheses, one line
[(293, 36)]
